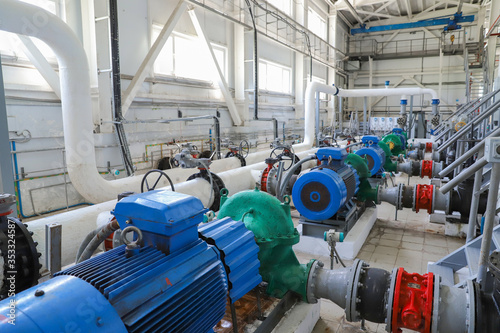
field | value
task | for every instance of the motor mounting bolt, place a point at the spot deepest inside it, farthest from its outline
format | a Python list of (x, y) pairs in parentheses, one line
[(39, 293)]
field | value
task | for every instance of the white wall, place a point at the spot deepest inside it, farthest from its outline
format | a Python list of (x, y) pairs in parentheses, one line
[(34, 107)]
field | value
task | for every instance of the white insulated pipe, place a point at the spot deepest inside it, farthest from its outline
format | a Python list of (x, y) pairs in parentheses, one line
[(78, 223), (403, 92), (25, 19)]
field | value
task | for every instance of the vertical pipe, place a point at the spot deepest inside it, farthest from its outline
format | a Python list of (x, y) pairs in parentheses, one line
[(410, 121), (471, 228), (488, 222), (341, 118), (316, 130), (255, 64), (275, 128), (117, 88), (364, 115), (217, 137)]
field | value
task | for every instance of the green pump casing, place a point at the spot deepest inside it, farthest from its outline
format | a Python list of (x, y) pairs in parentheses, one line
[(275, 234)]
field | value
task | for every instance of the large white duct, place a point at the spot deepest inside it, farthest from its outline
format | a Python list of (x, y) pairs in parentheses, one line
[(25, 19)]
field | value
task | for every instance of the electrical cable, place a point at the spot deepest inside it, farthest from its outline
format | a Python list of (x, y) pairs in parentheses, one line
[(338, 257), (290, 173)]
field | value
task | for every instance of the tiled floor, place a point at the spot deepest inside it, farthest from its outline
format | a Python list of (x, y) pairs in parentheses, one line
[(409, 242)]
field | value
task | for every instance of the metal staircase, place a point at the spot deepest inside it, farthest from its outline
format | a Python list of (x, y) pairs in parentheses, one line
[(465, 257)]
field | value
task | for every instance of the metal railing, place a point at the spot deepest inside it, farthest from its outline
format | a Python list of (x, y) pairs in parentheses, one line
[(278, 26), (407, 47)]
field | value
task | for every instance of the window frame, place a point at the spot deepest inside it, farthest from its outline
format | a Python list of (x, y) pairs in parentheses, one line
[(156, 28), (266, 62)]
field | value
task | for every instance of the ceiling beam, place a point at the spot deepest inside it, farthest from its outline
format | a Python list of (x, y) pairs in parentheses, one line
[(340, 5), (374, 14), (408, 9), (353, 11), (388, 3)]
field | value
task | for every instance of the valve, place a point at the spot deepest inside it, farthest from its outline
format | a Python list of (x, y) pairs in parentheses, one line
[(412, 302), (424, 198), (265, 173), (428, 147), (426, 169)]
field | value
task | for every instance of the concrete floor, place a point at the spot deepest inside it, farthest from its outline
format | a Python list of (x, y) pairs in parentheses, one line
[(409, 242)]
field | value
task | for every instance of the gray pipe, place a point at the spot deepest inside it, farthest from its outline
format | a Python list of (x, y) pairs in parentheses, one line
[(316, 132), (464, 175), (332, 285), (478, 178), (489, 219)]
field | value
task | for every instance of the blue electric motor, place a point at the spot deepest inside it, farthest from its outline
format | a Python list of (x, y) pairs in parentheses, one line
[(399, 133), (319, 193), (173, 278), (374, 155)]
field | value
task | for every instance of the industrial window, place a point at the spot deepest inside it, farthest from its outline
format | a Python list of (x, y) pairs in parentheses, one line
[(10, 44), (284, 5), (180, 57), (316, 23), (275, 77)]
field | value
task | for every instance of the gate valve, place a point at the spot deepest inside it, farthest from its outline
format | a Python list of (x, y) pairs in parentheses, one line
[(265, 173), (428, 147), (426, 169), (412, 304), (423, 197)]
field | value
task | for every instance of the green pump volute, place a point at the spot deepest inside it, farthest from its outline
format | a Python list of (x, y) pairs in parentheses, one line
[(275, 234)]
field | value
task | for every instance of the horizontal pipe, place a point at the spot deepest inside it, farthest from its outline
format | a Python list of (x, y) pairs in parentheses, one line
[(78, 223), (387, 92), (465, 174), (76, 105)]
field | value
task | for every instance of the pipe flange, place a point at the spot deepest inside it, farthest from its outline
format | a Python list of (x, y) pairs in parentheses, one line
[(311, 280), (271, 181), (433, 198), (263, 180), (400, 196), (435, 304), (390, 299), (352, 291), (448, 203), (470, 306), (414, 198)]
